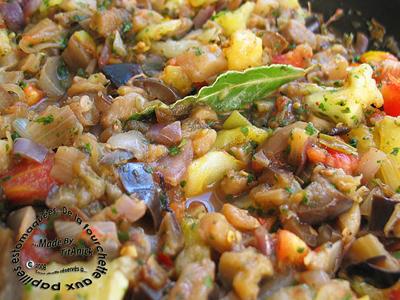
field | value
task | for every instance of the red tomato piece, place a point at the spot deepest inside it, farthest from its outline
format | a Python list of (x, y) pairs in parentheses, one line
[(333, 158), (165, 260), (391, 97), (28, 181), (299, 57)]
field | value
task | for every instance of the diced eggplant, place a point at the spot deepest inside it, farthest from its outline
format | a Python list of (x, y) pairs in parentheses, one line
[(137, 179), (157, 89), (119, 74), (302, 230), (323, 202), (372, 274), (381, 210)]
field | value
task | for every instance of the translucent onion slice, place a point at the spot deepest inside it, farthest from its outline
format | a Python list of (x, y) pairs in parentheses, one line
[(29, 149)]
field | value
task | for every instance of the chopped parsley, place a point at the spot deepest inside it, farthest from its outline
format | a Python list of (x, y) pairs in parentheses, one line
[(82, 73), (346, 110), (148, 169), (353, 142), (126, 27), (123, 236), (15, 135), (310, 129), (289, 190), (183, 183), (250, 178), (208, 282), (396, 254), (173, 151), (300, 250), (244, 130), (395, 151), (305, 200), (322, 106), (45, 120), (114, 211), (104, 5), (87, 148), (197, 51)]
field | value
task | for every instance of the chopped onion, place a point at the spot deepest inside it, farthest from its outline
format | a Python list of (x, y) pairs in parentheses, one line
[(28, 149), (133, 141), (204, 199), (370, 163), (55, 127), (16, 89), (169, 135), (20, 126), (62, 170), (48, 80), (116, 157)]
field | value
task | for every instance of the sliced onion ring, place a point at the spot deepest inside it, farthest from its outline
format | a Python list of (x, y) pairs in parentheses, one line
[(29, 149), (204, 199)]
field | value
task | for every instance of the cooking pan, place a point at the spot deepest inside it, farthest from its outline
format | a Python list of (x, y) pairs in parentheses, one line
[(358, 15)]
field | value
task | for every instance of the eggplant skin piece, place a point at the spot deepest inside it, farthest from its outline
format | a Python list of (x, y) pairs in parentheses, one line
[(374, 275), (324, 203), (381, 210), (138, 180), (119, 74)]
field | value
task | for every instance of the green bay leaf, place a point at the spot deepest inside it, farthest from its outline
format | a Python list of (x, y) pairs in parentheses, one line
[(235, 90)]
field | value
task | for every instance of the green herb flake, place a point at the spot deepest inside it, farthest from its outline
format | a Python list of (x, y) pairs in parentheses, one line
[(28, 288), (114, 210), (310, 129), (305, 200), (126, 27), (174, 151), (208, 282), (300, 249), (163, 200), (346, 110), (395, 151), (396, 254), (87, 148), (289, 190), (45, 120), (250, 178), (183, 183), (322, 107), (353, 142), (244, 130), (197, 51), (123, 236), (148, 169)]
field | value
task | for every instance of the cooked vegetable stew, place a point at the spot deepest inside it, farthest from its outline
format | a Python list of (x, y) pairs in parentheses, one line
[(219, 149)]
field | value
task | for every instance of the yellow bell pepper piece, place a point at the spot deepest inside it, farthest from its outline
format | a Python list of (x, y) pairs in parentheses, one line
[(207, 170)]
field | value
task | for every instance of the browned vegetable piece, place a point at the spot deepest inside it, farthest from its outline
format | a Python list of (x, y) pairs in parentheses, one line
[(322, 202), (171, 239), (381, 211), (245, 270), (81, 49), (275, 42), (373, 274), (105, 22), (297, 33), (218, 233), (302, 230), (157, 89), (239, 218), (196, 281), (154, 275)]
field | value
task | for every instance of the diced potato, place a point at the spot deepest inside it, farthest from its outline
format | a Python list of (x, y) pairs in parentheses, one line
[(235, 120), (236, 20), (175, 76), (289, 4), (265, 7), (336, 289), (232, 137), (155, 32), (70, 5), (207, 170), (197, 3), (218, 233), (5, 45), (245, 270), (4, 155), (387, 136), (201, 63), (363, 137), (171, 48), (245, 50)]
